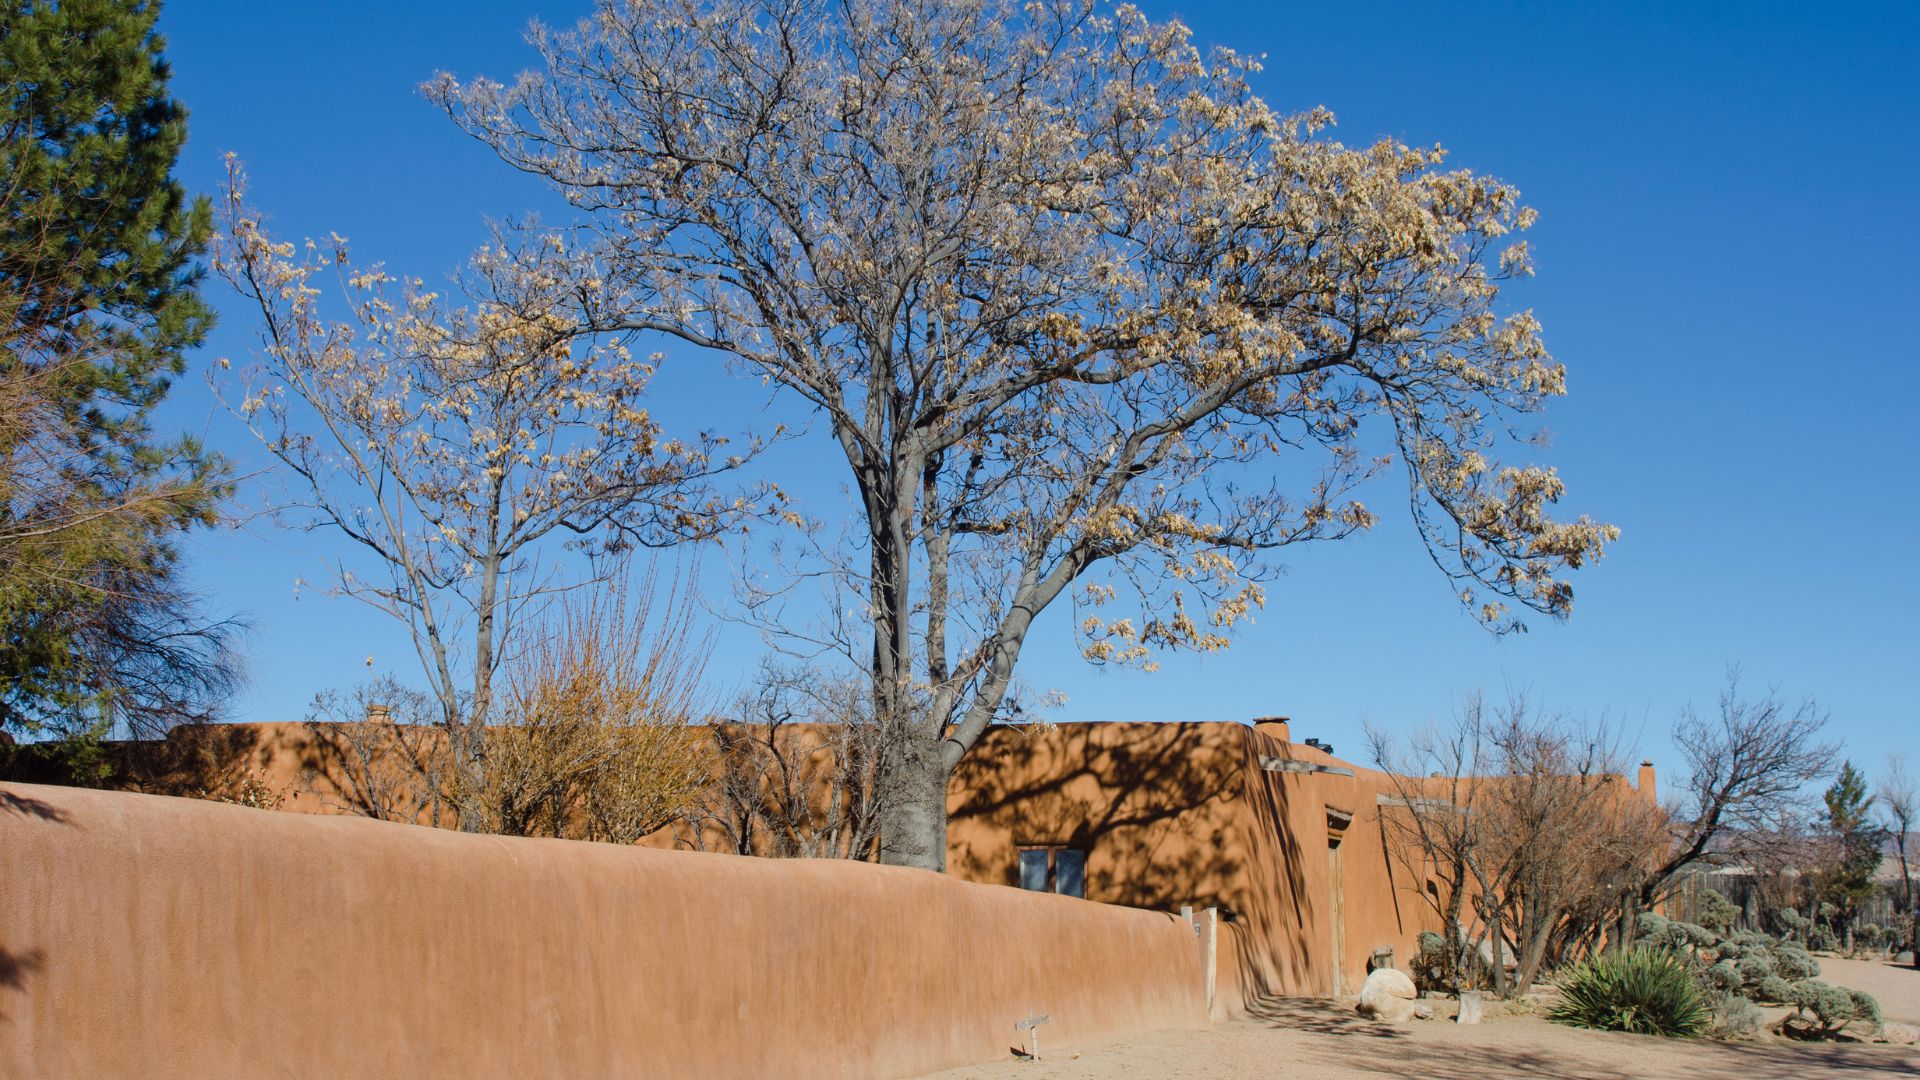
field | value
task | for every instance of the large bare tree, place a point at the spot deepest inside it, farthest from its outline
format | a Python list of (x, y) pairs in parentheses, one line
[(1084, 316)]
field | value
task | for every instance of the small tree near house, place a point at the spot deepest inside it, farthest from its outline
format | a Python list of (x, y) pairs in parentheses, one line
[(1899, 808), (460, 447)]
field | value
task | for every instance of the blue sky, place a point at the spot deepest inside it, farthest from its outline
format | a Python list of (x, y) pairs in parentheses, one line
[(1725, 253)]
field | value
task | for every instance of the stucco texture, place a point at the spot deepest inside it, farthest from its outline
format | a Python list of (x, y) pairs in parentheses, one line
[(1179, 814), (161, 937)]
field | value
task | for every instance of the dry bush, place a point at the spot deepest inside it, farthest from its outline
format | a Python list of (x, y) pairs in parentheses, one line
[(596, 741)]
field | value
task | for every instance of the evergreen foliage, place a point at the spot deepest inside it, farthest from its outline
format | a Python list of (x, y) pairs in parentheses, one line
[(99, 301), (1847, 879)]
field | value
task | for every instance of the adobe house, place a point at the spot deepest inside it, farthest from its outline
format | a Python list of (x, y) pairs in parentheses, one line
[(1282, 837)]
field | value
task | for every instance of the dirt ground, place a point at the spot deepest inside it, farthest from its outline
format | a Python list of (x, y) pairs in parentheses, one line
[(1326, 1041)]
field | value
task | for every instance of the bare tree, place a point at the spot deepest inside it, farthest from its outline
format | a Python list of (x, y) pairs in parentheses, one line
[(1747, 767), (802, 774), (380, 752), (1564, 837), (1521, 820), (1428, 822), (461, 447), (1899, 805), (1084, 317)]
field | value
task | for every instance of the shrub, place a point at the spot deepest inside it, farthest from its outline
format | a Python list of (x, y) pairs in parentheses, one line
[(1865, 1007), (1433, 968), (1661, 932), (1821, 939), (1754, 967), (1793, 962), (1724, 977), (1775, 990), (1716, 912), (1645, 991), (1831, 1005), (1792, 924), (1734, 1017)]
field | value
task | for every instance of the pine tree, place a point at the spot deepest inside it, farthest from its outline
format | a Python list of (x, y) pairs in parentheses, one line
[(1848, 878), (99, 301)]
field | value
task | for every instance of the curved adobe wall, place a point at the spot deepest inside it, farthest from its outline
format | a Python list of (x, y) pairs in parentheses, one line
[(149, 936)]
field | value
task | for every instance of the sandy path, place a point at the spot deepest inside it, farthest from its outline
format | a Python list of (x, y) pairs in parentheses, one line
[(1315, 1039)]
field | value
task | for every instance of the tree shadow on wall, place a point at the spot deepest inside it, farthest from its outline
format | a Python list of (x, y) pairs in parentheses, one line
[(15, 969), (1170, 814), (12, 802), (1141, 799), (193, 761), (1275, 951)]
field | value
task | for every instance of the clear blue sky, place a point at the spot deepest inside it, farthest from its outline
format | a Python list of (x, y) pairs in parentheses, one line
[(1726, 265)]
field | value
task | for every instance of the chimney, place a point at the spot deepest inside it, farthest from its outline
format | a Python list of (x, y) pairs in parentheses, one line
[(1646, 784), (379, 714), (1272, 726)]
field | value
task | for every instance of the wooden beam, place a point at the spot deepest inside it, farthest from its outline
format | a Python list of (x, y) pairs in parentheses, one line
[(1290, 765), (1420, 804)]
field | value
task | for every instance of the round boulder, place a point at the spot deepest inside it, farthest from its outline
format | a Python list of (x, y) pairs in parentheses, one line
[(1387, 995)]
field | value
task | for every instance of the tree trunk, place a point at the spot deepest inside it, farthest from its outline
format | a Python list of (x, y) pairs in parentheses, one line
[(913, 823), (1497, 933), (1629, 920)]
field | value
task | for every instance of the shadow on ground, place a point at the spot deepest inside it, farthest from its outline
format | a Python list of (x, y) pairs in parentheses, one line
[(1525, 1048)]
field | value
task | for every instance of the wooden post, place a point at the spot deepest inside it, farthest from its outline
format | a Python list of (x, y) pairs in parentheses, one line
[(1031, 1025), (1213, 955)]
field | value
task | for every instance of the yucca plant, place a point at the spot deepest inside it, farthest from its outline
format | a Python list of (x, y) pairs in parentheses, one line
[(1645, 991)]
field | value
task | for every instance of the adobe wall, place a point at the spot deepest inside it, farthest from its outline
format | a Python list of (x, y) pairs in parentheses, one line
[(161, 937), (1176, 814)]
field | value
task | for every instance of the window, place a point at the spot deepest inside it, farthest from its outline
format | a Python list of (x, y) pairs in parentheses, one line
[(1054, 869)]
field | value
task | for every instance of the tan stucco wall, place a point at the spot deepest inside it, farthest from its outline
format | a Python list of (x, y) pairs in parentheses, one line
[(1170, 814), (1178, 814), (159, 937)]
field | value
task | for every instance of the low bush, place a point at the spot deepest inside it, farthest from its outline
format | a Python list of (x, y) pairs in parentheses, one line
[(1866, 1007), (1734, 1017), (1716, 912), (1724, 977), (1832, 1007), (1792, 924), (1433, 968), (1644, 991), (1792, 962), (1774, 990), (1754, 967)]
